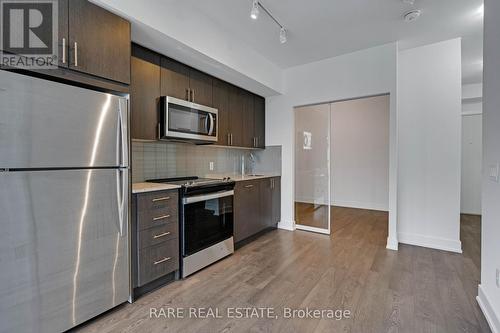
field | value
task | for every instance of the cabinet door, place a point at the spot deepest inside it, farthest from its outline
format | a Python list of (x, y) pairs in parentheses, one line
[(201, 87), (235, 116), (99, 42), (259, 108), (144, 93), (63, 42), (174, 79), (266, 203), (276, 199), (248, 119), (246, 209), (221, 103)]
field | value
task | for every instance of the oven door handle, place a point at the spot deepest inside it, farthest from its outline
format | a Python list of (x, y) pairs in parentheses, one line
[(205, 197)]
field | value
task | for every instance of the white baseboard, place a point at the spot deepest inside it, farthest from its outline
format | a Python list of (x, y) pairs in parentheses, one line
[(489, 314), (312, 229), (392, 244), (287, 225), (430, 242), (471, 212)]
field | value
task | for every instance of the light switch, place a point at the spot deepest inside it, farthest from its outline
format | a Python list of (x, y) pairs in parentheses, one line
[(493, 173), (211, 166), (498, 278)]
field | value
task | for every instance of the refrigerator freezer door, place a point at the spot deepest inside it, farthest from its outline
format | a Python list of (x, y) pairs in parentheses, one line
[(63, 247), (46, 124)]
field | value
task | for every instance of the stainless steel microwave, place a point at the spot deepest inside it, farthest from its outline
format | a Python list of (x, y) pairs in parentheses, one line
[(187, 121)]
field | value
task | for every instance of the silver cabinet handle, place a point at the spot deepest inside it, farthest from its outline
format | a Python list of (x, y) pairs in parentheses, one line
[(64, 50), (231, 139), (162, 260), (161, 217), (192, 95), (228, 138), (248, 186), (187, 94), (161, 235), (76, 54), (160, 199)]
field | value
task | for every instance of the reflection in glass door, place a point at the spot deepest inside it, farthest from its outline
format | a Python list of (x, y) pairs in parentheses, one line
[(312, 168)]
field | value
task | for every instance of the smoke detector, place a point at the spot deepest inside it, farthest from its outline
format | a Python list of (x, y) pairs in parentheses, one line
[(412, 16)]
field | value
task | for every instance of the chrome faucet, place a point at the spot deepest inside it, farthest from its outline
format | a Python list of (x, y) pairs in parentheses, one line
[(252, 161)]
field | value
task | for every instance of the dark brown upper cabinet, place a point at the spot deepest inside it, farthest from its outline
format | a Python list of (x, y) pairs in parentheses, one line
[(144, 93), (174, 79), (201, 87), (248, 135), (236, 111), (97, 42), (246, 114), (221, 103), (183, 82), (63, 7), (259, 107)]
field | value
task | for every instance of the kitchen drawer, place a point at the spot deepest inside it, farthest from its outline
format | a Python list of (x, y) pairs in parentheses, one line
[(157, 201), (157, 217), (157, 235), (157, 261)]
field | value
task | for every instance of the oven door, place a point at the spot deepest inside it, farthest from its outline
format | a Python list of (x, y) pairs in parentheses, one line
[(187, 120), (208, 220)]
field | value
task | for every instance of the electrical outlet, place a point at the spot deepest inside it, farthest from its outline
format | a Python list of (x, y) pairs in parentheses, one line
[(494, 171), (498, 278), (211, 166)]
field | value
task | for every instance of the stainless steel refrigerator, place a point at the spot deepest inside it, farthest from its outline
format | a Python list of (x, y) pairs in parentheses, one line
[(64, 204)]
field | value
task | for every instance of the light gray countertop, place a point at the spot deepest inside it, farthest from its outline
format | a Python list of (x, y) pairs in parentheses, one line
[(151, 187)]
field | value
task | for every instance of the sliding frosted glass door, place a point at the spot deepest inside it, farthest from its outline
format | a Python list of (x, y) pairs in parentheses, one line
[(312, 168)]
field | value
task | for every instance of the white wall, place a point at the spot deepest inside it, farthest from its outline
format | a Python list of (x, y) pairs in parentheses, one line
[(359, 74), (470, 193), (429, 106), (360, 153), (489, 292)]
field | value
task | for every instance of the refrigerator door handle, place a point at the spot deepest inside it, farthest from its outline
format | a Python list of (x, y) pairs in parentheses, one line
[(122, 199), (123, 118)]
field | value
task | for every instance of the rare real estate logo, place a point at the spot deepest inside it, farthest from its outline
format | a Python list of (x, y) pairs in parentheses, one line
[(29, 35)]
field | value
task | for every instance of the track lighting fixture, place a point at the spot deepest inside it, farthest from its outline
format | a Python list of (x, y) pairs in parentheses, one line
[(254, 14), (282, 35)]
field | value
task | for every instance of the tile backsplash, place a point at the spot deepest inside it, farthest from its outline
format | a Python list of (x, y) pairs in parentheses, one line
[(152, 160)]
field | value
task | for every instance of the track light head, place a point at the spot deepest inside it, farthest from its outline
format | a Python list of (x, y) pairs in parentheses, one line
[(283, 37), (254, 13)]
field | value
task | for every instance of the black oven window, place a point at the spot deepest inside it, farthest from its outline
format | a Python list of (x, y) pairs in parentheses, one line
[(207, 223)]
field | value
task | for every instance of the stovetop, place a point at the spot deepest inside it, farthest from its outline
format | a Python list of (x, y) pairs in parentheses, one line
[(193, 181)]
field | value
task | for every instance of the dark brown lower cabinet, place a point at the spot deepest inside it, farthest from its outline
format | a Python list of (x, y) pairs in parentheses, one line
[(155, 238), (256, 206)]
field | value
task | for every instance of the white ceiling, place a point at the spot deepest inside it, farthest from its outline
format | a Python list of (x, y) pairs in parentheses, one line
[(319, 29)]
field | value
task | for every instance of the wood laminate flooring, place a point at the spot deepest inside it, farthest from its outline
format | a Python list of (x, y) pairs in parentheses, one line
[(411, 290)]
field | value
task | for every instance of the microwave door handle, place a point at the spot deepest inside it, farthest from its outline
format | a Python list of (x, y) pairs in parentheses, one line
[(211, 129), (207, 123)]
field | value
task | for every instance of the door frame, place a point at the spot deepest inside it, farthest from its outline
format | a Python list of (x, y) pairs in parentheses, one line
[(392, 237)]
